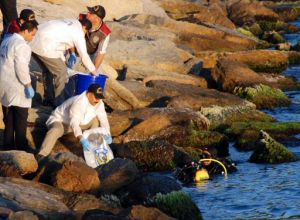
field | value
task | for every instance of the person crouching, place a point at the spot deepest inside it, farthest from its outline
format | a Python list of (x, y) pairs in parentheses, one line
[(16, 92), (78, 113)]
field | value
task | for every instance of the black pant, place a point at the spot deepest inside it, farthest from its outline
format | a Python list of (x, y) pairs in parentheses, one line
[(15, 120), (9, 12)]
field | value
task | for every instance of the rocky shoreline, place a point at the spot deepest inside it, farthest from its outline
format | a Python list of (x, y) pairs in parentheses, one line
[(185, 78)]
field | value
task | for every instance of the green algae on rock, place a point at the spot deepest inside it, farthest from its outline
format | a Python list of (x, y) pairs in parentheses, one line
[(274, 128), (179, 205), (270, 151), (150, 155), (247, 133), (263, 96)]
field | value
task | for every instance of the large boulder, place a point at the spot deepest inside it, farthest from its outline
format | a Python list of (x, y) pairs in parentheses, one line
[(188, 96), (156, 155), (131, 7), (143, 189), (197, 13), (270, 151), (246, 12), (161, 54), (178, 205), (27, 196), (247, 133), (229, 74), (263, 96), (16, 163), (49, 202), (76, 177), (147, 213), (266, 61), (116, 173)]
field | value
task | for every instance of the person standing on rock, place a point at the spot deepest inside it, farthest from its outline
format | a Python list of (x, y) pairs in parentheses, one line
[(78, 113), (16, 91), (49, 46), (9, 13), (97, 38)]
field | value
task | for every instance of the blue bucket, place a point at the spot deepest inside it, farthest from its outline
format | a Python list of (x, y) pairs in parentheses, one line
[(83, 81)]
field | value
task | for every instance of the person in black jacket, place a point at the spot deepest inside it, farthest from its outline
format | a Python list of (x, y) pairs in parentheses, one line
[(9, 13)]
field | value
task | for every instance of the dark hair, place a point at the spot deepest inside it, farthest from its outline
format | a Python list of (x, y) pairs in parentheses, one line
[(29, 25), (86, 23), (27, 15)]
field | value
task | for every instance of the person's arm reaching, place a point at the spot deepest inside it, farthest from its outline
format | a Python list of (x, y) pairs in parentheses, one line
[(101, 52), (76, 116), (80, 45)]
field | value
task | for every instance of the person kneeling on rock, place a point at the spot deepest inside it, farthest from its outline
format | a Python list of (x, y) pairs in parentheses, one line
[(78, 113)]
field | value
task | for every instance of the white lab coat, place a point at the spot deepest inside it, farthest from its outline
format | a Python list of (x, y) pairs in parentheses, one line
[(54, 37), (78, 111), (15, 56)]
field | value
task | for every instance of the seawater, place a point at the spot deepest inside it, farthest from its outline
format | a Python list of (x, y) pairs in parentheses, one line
[(257, 191)]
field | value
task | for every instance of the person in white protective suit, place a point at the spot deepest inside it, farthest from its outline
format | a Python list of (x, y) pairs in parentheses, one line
[(16, 92), (78, 113), (53, 39)]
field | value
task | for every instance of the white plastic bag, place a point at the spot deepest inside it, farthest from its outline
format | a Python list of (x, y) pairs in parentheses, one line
[(99, 153)]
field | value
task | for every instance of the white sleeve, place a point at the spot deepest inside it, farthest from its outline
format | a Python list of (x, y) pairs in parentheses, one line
[(80, 45), (103, 45), (21, 62), (102, 116), (76, 116)]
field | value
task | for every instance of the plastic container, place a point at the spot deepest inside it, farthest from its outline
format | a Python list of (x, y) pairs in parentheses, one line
[(83, 81)]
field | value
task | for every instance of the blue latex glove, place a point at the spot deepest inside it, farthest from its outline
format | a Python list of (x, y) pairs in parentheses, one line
[(72, 60), (29, 92), (108, 139), (85, 144)]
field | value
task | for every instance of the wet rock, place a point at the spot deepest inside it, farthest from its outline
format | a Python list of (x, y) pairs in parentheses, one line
[(19, 161), (273, 37), (270, 151), (156, 155), (195, 141), (147, 213), (178, 205), (248, 132), (143, 189), (116, 173), (76, 177), (263, 96), (22, 215)]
